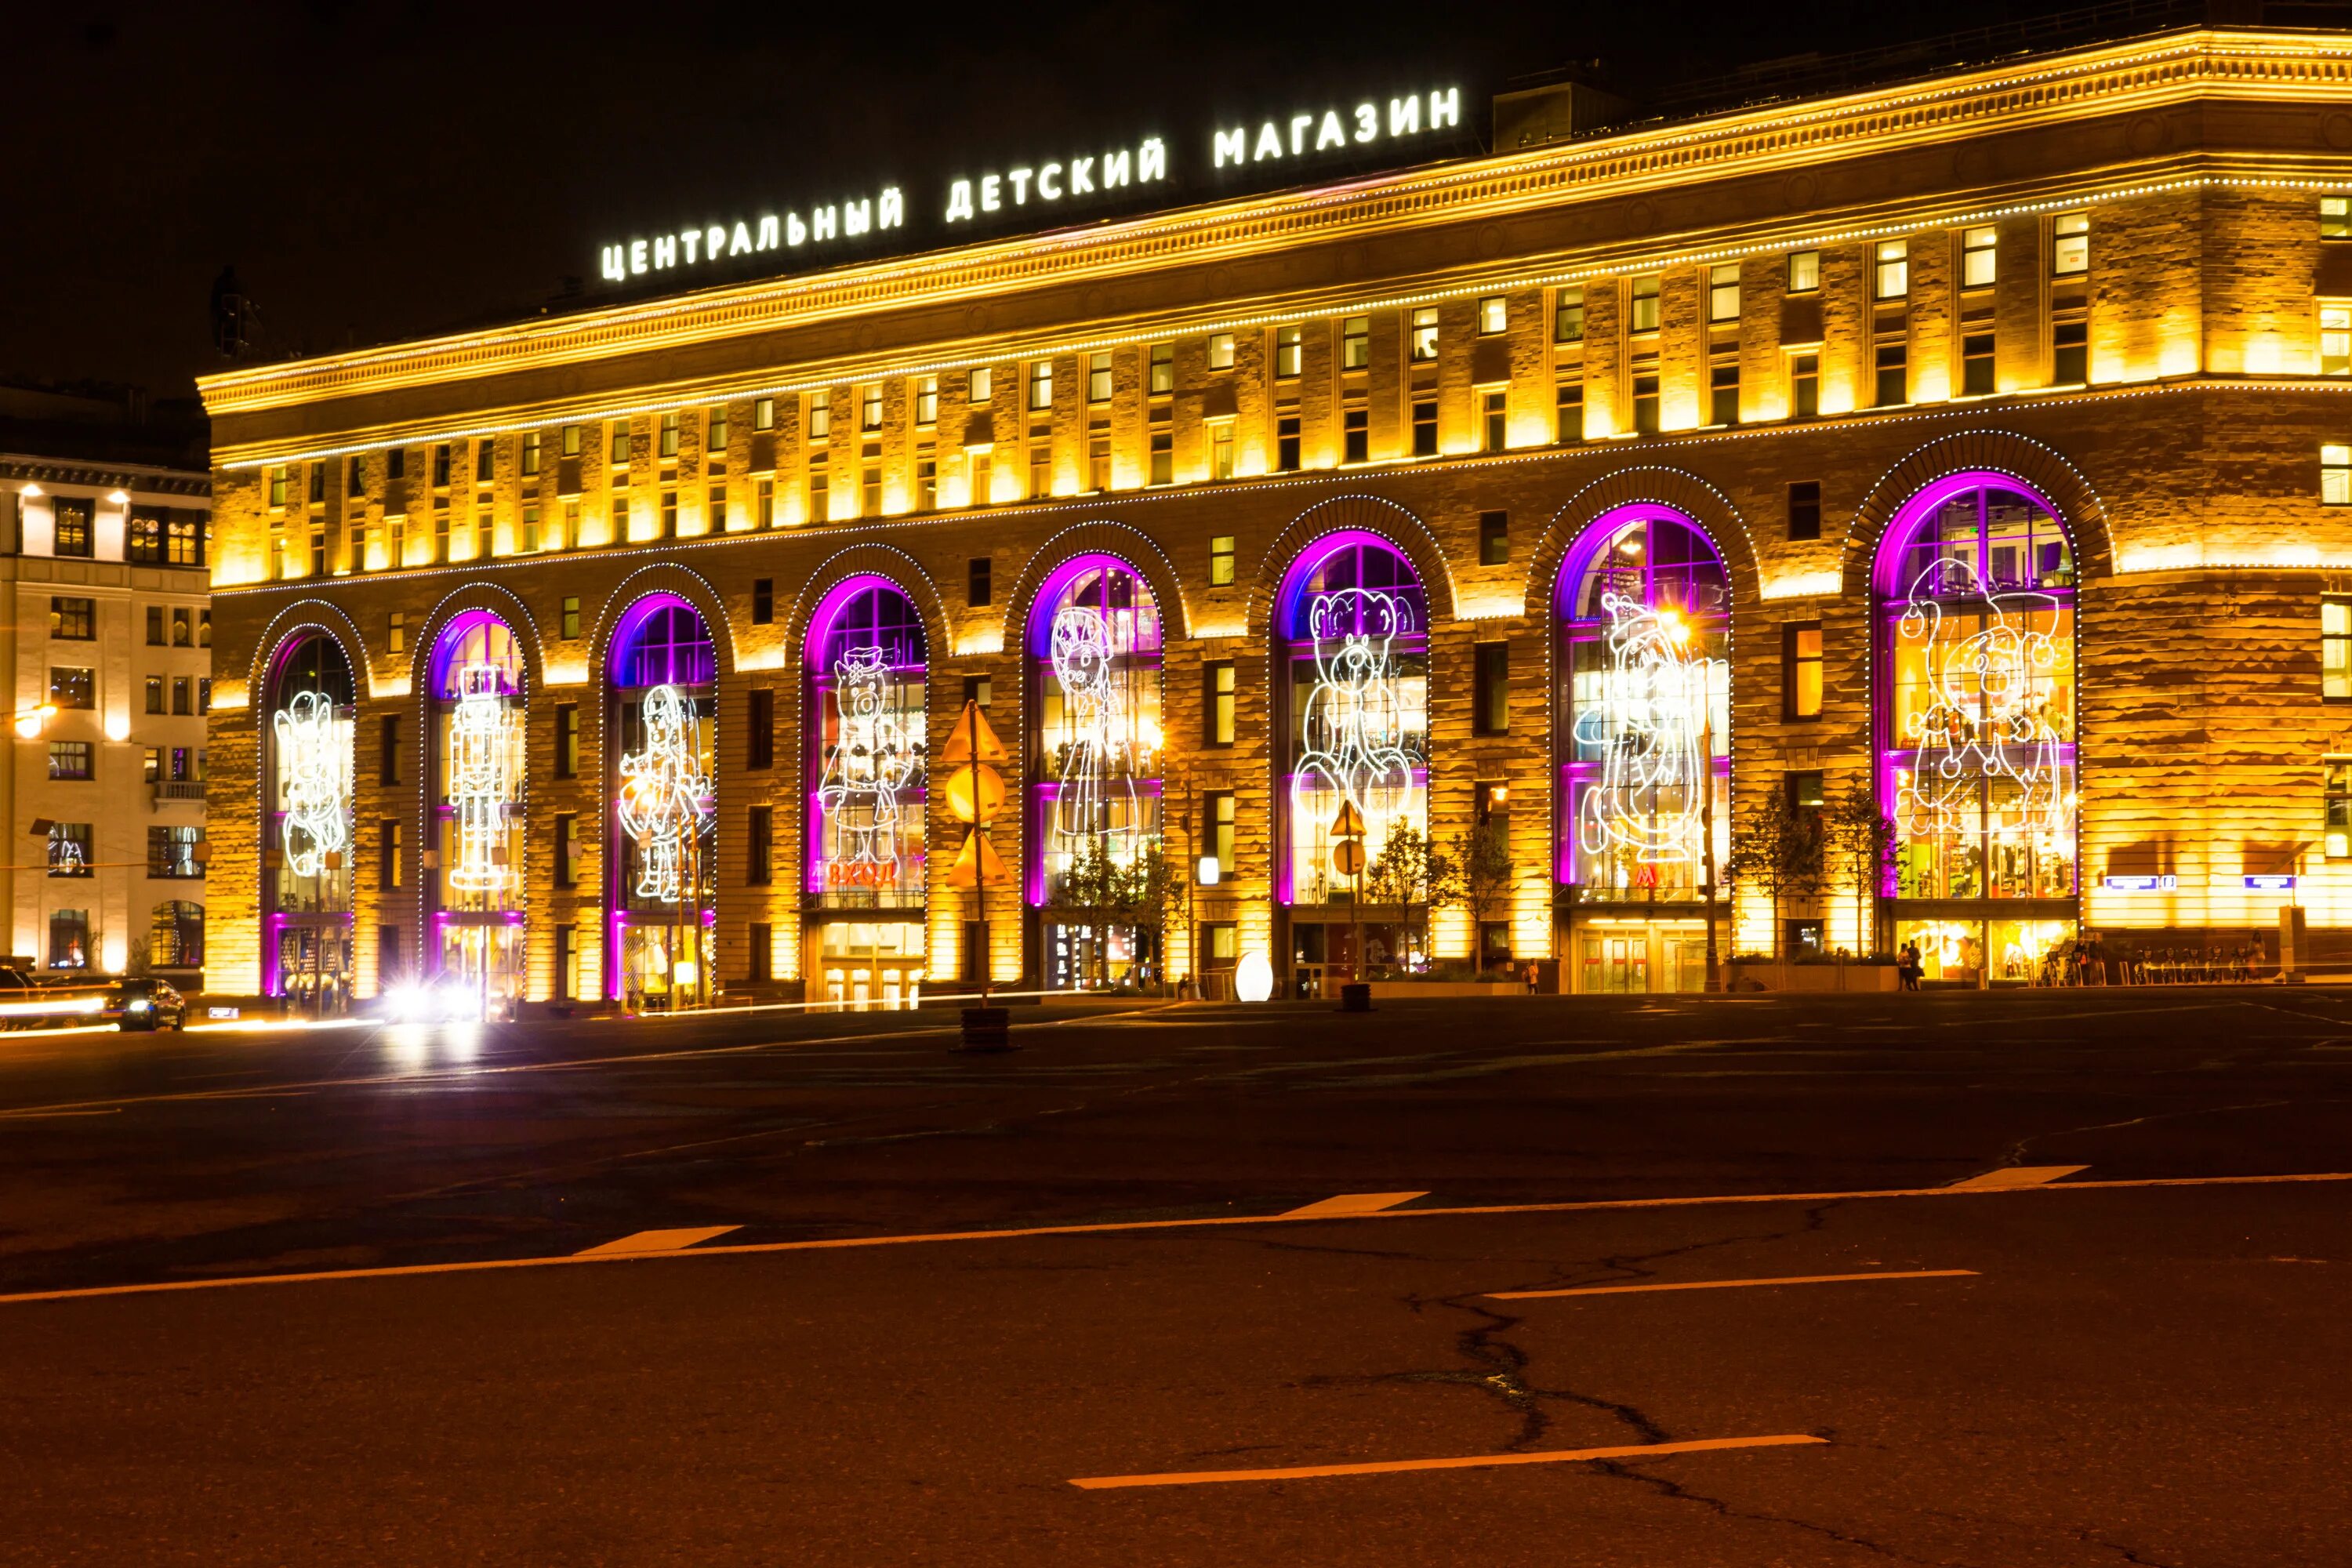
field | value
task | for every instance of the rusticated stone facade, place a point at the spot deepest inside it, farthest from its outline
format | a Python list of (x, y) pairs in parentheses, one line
[(2185, 463)]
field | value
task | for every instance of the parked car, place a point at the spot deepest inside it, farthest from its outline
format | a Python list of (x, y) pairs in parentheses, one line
[(146, 1004)]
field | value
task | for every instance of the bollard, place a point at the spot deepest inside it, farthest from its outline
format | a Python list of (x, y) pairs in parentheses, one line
[(987, 1029), (1356, 997)]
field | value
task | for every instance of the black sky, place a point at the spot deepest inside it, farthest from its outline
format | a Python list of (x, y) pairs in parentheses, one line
[(376, 169)]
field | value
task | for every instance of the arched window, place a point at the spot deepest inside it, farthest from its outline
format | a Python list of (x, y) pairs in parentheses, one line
[(1353, 629), (1975, 593), (307, 845), (866, 868), (1095, 807), (1644, 747), (662, 775), (476, 694), (175, 937)]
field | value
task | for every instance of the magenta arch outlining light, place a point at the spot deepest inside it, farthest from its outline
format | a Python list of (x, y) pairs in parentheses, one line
[(332, 674), (477, 783), (865, 638), (1695, 572), (1056, 652)]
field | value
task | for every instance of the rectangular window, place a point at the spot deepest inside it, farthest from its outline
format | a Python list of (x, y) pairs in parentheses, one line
[(1164, 455), (980, 387), (2336, 339), (182, 696), (869, 491), (2070, 244), (318, 484), (531, 528), (1804, 787), (1355, 342), (1425, 426), (1894, 275), (870, 407), (387, 765), (172, 852), (764, 502), (820, 414), (154, 774), (147, 536), (567, 739), (1723, 292), (763, 601), (1894, 375), (1221, 352), (1493, 420), (820, 489), (2335, 655), (1491, 700), (1286, 443), (71, 518), (1977, 255), (567, 960), (1099, 377), (1041, 384), (1221, 449), (1804, 385), (1645, 404), (1356, 434), (1221, 945), (1805, 509), (2336, 217), (391, 959), (2070, 353), (1568, 316), (1425, 333), (1804, 271), (567, 849), (154, 694), (620, 444), (927, 400), (1645, 304), (69, 849), (76, 620), (760, 733), (484, 460), (1163, 369), (2339, 808), (68, 939), (669, 514), (978, 690), (1722, 393), (571, 438), (1099, 460), (571, 619), (977, 583), (1976, 365), (72, 687), (1568, 410), (763, 414), (1041, 467), (278, 484), (2334, 476), (980, 463), (204, 694), (1494, 315), (762, 937), (1800, 669), (184, 628), (1217, 842), (388, 858), (714, 439), (69, 759), (759, 831), (1220, 560), (714, 509), (668, 449), (1217, 690), (1289, 351), (1494, 538)]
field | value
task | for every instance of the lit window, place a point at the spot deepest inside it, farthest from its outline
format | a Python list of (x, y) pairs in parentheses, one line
[(763, 414), (1645, 304), (1568, 410), (1800, 669), (1425, 426), (981, 386), (820, 414), (2336, 217), (1723, 292), (571, 440), (2335, 475), (1894, 374), (2339, 808), (1493, 420), (714, 441), (1568, 317), (620, 442), (1220, 560), (1163, 369), (1976, 254), (1722, 393), (2070, 248), (1424, 333), (1893, 269), (1099, 378), (1355, 342), (1164, 455), (1221, 449), (1976, 365), (870, 407), (1221, 352), (2336, 648), (927, 400), (1289, 351), (1041, 384), (2070, 353), (1804, 271), (1355, 434), (484, 457), (530, 453), (1494, 315), (669, 436), (2336, 339)]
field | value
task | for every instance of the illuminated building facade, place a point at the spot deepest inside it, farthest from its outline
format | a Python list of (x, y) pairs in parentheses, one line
[(1971, 454)]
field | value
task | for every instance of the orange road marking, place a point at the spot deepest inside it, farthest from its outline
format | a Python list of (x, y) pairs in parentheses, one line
[(851, 1243), (1348, 1204), (1734, 1284), (656, 1241), (2016, 1177), (1464, 1462)]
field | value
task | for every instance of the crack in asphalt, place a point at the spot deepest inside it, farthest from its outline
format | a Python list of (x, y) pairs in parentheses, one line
[(1622, 1469), (2016, 1152)]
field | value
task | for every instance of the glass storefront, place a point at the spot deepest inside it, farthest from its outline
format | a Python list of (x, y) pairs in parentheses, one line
[(870, 965), (476, 888)]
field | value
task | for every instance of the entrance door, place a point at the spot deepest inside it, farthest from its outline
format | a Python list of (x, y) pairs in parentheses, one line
[(1616, 963), (485, 961), (865, 966), (314, 967)]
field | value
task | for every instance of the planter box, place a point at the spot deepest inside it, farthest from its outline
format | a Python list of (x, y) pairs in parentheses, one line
[(1406, 990), (1812, 976)]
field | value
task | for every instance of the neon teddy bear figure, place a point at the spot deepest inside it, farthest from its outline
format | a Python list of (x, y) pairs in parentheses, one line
[(665, 794), (1096, 775), (318, 791), (871, 763), (1353, 725), (1652, 732)]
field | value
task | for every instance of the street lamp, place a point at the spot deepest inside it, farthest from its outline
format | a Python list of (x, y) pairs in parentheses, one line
[(29, 720)]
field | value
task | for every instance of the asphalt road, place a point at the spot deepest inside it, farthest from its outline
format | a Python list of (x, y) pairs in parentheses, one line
[(2143, 1360)]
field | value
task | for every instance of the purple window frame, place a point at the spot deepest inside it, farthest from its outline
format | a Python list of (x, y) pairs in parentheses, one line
[(829, 628), (662, 640), (274, 921), (439, 696), (1048, 603)]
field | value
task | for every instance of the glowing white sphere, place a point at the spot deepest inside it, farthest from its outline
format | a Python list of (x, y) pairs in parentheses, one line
[(1252, 978)]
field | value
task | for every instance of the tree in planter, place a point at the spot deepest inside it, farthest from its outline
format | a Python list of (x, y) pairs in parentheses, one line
[(1411, 876), (1863, 839), (1779, 853), (1482, 864)]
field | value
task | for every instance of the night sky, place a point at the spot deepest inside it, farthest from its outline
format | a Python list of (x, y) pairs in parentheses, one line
[(376, 171)]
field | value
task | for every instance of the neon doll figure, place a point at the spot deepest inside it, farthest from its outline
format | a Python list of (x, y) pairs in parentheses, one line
[(865, 773), (480, 731), (316, 793), (665, 795), (1097, 799)]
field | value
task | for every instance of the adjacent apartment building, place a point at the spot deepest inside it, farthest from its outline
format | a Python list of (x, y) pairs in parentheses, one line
[(108, 656), (1967, 460)]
